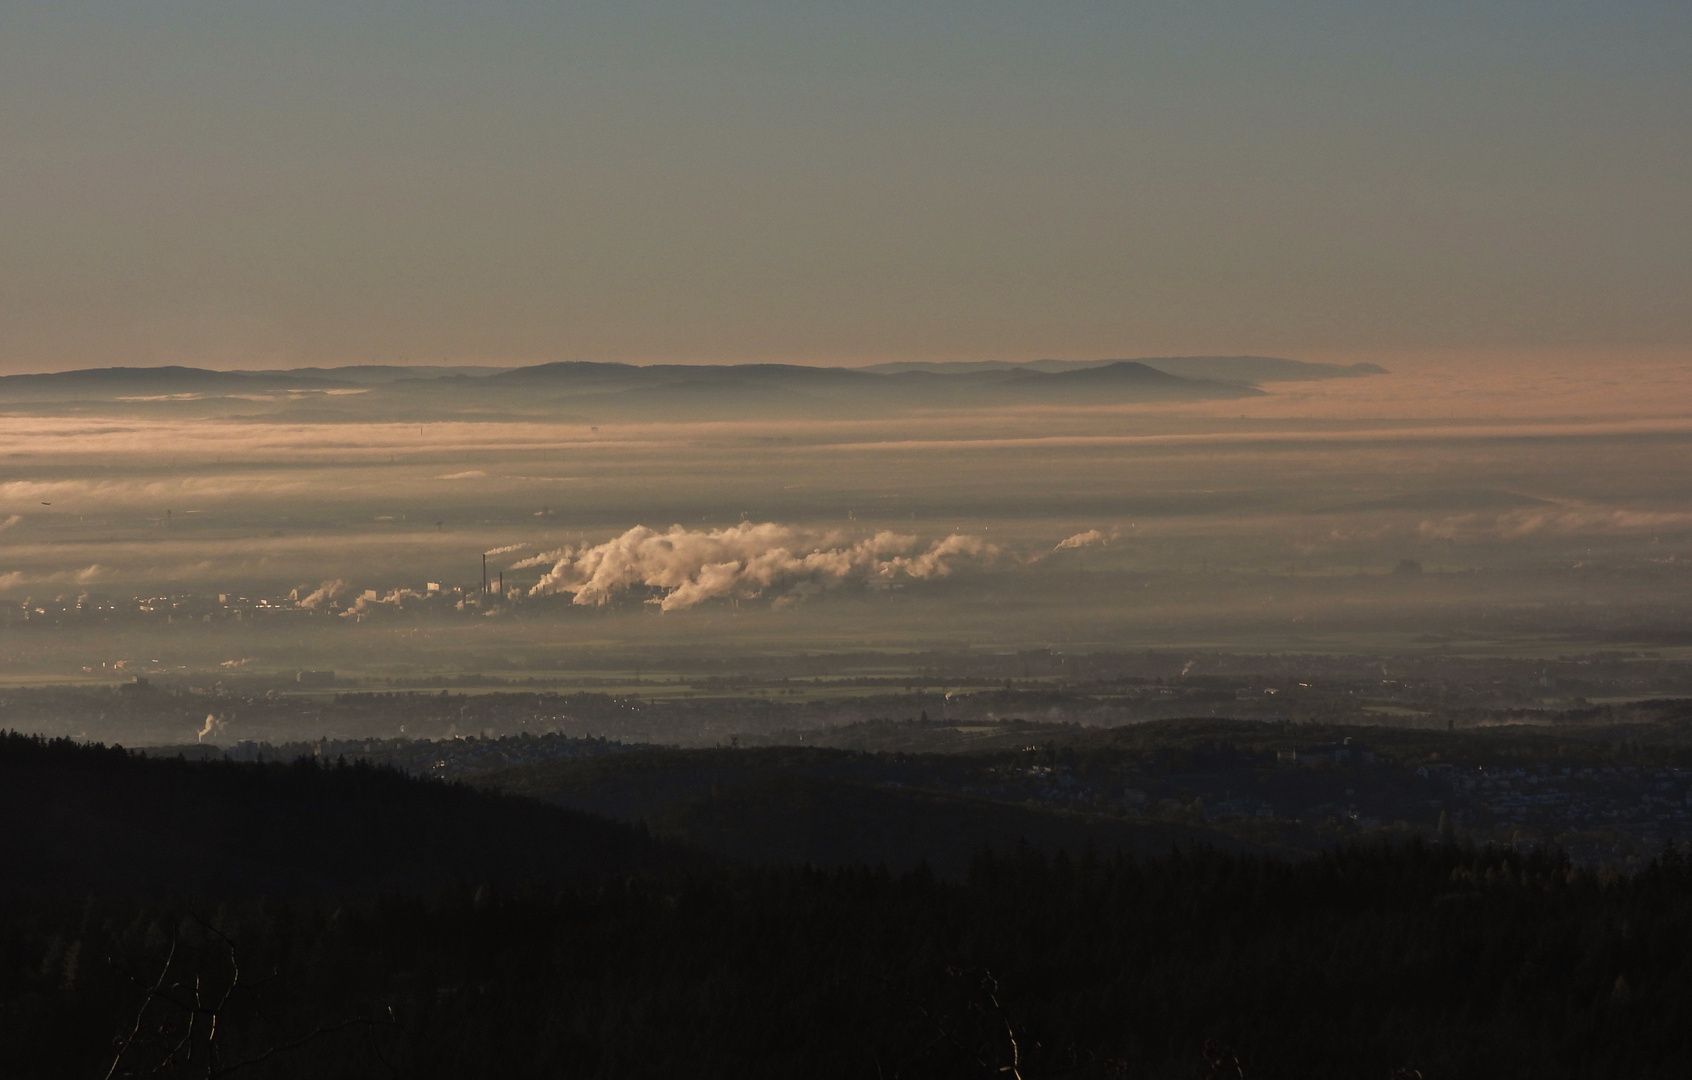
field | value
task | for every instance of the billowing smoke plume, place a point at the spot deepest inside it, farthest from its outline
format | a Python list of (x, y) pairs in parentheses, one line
[(744, 562), (326, 591), (395, 597), (1090, 538), (11, 520), (214, 726), (506, 550)]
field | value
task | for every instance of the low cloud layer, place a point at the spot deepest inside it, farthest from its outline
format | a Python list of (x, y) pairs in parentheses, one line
[(745, 562), (1565, 518)]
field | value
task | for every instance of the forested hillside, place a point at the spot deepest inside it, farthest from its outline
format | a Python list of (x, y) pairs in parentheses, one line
[(834, 808), (372, 925), (107, 820), (1450, 963)]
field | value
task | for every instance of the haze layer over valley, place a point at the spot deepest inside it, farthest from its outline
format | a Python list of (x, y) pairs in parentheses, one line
[(171, 520)]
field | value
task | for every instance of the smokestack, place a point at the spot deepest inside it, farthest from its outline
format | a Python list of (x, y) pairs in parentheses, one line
[(484, 574), (502, 583)]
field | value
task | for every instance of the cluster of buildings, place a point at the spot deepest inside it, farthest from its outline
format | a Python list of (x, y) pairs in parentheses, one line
[(67, 609), (1640, 802), (449, 758)]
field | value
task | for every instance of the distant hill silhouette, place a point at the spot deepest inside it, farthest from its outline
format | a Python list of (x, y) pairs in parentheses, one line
[(1257, 369), (801, 806), (766, 388), (1118, 371), (377, 374), (161, 380), (1218, 368), (102, 819), (587, 389)]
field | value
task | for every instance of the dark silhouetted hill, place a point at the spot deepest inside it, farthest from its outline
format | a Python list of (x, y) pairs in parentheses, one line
[(1237, 369), (589, 391), (162, 380), (801, 806), (1256, 369), (107, 820)]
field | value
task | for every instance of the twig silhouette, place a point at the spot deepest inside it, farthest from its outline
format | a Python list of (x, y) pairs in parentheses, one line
[(1220, 1056), (208, 1011), (141, 1013)]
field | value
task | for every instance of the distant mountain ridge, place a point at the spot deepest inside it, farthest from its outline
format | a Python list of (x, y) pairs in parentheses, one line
[(709, 389), (165, 377), (1268, 368), (388, 373), (1221, 368), (618, 391)]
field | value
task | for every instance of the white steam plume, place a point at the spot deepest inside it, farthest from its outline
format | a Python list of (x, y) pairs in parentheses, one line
[(214, 726), (743, 562), (396, 597), (1090, 538), (326, 591), (10, 521), (506, 550)]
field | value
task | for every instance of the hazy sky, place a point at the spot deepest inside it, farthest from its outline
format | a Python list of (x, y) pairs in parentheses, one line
[(236, 183)]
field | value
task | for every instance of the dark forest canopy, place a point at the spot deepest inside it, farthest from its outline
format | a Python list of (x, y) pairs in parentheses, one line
[(438, 931), (83, 818), (1445, 961)]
